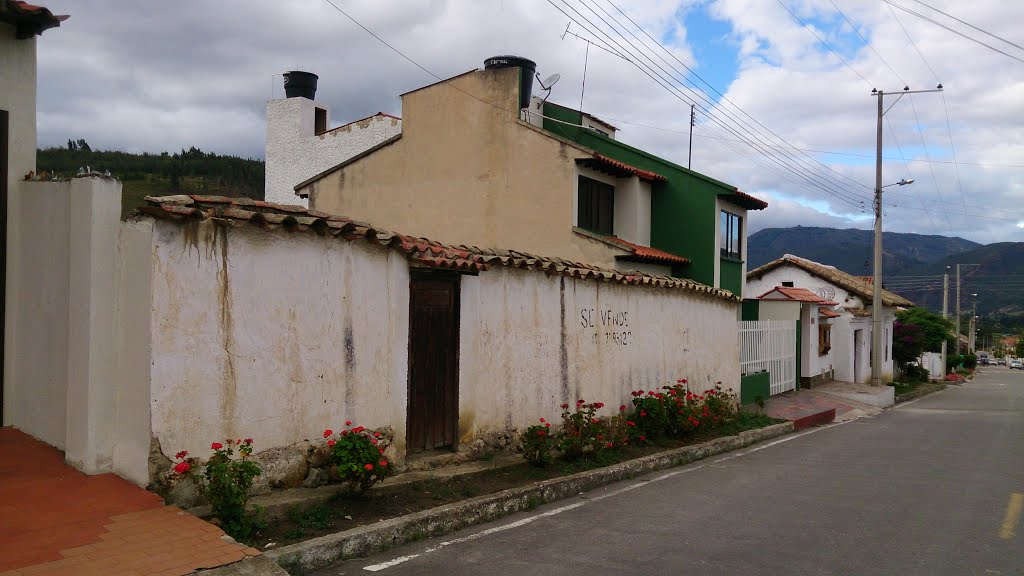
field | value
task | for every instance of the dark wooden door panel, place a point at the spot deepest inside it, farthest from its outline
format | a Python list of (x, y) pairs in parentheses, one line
[(433, 363), (4, 154)]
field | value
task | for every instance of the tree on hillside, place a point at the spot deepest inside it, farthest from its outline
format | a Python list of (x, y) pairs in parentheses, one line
[(1019, 350)]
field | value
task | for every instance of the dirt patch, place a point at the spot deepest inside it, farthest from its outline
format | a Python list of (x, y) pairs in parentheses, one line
[(346, 511)]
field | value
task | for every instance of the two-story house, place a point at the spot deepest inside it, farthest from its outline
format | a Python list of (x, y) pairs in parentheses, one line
[(476, 164)]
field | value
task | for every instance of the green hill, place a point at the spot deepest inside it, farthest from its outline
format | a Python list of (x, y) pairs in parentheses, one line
[(190, 171), (850, 249)]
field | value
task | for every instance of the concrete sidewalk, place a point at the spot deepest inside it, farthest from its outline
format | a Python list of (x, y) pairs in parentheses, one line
[(56, 520), (813, 407)]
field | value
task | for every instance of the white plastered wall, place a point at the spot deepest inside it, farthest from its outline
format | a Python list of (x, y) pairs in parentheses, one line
[(530, 342), (279, 336), (63, 345), (274, 337), (295, 153)]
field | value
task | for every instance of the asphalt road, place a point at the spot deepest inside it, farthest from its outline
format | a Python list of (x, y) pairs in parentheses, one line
[(927, 488)]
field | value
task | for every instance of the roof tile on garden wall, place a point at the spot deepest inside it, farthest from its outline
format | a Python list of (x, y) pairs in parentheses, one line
[(268, 216)]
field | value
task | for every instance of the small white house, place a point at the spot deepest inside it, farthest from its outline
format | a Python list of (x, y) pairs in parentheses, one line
[(300, 145), (814, 313), (845, 322)]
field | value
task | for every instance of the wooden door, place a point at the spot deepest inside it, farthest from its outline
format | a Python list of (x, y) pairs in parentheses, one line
[(433, 362), (4, 153)]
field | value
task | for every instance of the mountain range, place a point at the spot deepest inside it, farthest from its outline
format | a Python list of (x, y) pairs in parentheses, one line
[(912, 264)]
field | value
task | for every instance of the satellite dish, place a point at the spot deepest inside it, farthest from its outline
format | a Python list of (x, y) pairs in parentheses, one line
[(548, 82)]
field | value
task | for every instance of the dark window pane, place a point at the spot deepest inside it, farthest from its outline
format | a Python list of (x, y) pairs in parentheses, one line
[(595, 206)]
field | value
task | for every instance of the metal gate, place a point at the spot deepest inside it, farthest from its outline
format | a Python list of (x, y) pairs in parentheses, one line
[(770, 345)]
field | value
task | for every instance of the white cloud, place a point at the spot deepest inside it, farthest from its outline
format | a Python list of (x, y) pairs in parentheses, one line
[(164, 76)]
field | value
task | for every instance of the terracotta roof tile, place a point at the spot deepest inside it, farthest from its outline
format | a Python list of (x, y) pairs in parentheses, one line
[(642, 253), (620, 168), (848, 282), (293, 219), (828, 312), (798, 294), (744, 200), (29, 19)]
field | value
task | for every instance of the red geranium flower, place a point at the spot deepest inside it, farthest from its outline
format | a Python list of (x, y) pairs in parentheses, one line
[(383, 463), (643, 438), (182, 467), (181, 454), (248, 440), (547, 424), (622, 408), (542, 420), (216, 446), (565, 406), (381, 450), (331, 442), (328, 433), (368, 466), (610, 445), (348, 422)]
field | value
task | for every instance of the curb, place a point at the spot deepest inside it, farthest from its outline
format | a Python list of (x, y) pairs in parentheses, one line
[(922, 390), (365, 540)]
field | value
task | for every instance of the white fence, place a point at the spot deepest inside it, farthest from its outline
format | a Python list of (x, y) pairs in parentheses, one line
[(770, 345), (932, 362)]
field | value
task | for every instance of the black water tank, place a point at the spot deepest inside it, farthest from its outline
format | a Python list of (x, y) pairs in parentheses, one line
[(527, 68), (300, 84)]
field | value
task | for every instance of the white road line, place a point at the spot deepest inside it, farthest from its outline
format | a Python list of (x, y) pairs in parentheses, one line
[(573, 506)]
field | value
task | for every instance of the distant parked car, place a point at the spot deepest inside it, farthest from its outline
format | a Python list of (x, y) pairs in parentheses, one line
[(1001, 362), (1016, 364)]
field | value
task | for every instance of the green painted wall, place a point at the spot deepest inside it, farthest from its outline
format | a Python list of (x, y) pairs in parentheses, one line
[(732, 275), (754, 385), (683, 216), (750, 310)]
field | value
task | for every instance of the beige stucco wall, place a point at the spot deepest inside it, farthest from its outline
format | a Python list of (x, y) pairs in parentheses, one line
[(499, 182)]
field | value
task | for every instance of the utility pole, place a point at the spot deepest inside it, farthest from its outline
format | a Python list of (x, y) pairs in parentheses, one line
[(974, 315), (693, 121), (876, 297), (945, 314), (958, 309)]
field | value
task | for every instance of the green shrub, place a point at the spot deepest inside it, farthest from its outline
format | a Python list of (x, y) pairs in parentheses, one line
[(226, 483), (358, 454), (538, 443)]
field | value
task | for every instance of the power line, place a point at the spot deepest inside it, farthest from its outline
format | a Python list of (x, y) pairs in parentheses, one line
[(954, 31), (866, 43), (986, 32), (667, 80), (814, 150), (720, 108), (838, 55), (722, 96)]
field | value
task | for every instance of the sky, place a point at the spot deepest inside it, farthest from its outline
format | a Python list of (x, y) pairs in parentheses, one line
[(782, 88)]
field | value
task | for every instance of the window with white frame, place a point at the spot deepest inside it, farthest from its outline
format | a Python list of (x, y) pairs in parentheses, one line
[(730, 229)]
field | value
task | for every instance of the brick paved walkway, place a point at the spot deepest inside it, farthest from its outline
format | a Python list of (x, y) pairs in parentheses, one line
[(56, 520)]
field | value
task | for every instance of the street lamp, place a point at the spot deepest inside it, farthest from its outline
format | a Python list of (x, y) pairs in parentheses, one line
[(902, 182)]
